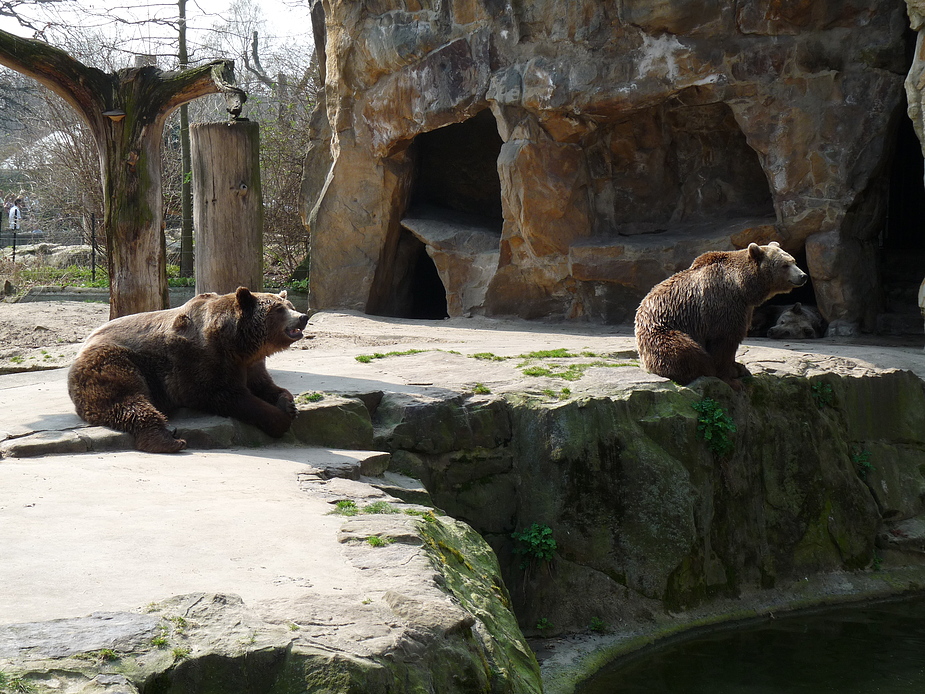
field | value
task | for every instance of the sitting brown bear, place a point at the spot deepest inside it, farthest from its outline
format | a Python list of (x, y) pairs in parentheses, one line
[(691, 324), (208, 354)]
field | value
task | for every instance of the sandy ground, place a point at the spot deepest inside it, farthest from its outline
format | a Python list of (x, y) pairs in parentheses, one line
[(39, 335), (47, 334)]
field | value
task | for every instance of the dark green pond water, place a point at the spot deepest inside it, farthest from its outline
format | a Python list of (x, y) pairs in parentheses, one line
[(860, 650)]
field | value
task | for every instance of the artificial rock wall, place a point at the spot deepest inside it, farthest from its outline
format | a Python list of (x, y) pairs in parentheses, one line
[(557, 159)]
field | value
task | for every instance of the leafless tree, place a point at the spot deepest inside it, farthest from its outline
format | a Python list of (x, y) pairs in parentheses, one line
[(125, 111)]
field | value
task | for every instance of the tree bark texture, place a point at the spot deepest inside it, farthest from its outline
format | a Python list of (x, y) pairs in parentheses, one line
[(125, 111), (227, 206)]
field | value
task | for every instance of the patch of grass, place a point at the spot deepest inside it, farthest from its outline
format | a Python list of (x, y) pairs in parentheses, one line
[(159, 641), (563, 394), (543, 624), (598, 625), (428, 515), (70, 276), (377, 541), (481, 389), (487, 356), (536, 543), (309, 397), (346, 507), (366, 358), (560, 353), (380, 507), (714, 426), (14, 684), (568, 372), (180, 653)]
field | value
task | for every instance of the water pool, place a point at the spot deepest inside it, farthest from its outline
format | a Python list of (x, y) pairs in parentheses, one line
[(849, 650)]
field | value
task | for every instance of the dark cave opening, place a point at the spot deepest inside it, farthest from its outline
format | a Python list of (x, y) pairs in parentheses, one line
[(905, 223), (902, 239), (456, 168), (427, 295), (455, 183)]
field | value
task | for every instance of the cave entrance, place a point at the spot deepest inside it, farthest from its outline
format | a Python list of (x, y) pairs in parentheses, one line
[(426, 293), (902, 241), (905, 223), (456, 170), (454, 207)]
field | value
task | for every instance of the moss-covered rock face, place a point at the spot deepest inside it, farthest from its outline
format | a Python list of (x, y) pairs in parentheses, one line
[(648, 517)]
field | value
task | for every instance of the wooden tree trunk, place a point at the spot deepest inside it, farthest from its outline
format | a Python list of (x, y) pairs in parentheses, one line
[(227, 206), (134, 217)]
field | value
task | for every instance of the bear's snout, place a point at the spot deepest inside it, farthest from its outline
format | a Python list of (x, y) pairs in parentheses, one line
[(296, 325), (797, 277)]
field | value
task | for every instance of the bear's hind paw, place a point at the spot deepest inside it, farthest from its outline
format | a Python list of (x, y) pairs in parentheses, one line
[(158, 440)]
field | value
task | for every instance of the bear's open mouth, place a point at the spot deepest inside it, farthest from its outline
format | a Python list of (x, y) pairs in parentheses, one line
[(294, 334)]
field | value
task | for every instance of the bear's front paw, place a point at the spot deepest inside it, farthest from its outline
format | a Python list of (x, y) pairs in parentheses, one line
[(740, 371), (286, 403)]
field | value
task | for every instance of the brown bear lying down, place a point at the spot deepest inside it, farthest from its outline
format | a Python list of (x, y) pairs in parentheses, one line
[(208, 354), (691, 324)]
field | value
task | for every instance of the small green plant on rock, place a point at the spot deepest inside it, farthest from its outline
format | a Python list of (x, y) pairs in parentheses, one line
[(543, 624), (862, 464), (377, 541), (481, 389), (180, 652), (823, 395), (101, 656), (714, 426), (536, 543), (598, 626)]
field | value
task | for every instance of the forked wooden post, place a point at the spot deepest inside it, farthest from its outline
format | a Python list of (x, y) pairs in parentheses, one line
[(227, 206)]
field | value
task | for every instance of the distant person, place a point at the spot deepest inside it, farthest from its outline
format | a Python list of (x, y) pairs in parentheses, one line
[(15, 215)]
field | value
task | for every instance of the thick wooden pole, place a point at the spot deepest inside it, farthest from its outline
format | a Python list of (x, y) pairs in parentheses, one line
[(227, 206)]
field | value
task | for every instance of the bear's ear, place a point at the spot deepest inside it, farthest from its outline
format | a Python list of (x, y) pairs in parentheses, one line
[(798, 307), (283, 294), (755, 252), (775, 244), (245, 299)]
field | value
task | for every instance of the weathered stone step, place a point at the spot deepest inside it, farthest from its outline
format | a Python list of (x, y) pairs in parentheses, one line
[(334, 421)]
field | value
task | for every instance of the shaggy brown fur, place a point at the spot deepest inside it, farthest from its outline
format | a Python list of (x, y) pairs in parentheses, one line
[(208, 354), (691, 324)]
